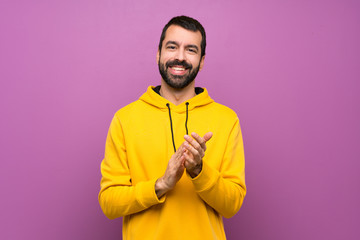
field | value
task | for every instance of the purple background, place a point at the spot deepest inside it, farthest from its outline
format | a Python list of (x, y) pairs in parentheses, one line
[(290, 69)]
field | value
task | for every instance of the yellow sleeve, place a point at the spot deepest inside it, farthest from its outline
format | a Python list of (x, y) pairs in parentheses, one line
[(225, 190), (118, 197)]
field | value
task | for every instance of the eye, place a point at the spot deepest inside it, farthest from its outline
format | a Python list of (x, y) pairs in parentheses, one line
[(171, 47), (192, 50)]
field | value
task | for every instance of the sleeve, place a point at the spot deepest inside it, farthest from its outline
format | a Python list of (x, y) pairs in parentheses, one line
[(118, 197), (225, 190)]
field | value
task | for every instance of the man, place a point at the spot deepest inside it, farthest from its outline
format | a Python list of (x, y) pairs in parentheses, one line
[(165, 192)]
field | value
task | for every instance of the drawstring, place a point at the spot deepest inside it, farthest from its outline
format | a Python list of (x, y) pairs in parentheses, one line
[(187, 114), (171, 126), (172, 132)]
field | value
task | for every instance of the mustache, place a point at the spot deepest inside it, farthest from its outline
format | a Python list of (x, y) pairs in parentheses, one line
[(178, 63)]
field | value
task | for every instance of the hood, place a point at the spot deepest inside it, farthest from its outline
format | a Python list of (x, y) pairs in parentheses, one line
[(153, 98)]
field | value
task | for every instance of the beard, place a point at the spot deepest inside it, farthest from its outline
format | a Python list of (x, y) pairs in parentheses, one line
[(178, 81)]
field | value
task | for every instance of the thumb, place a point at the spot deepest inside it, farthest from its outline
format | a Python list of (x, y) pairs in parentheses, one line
[(208, 136)]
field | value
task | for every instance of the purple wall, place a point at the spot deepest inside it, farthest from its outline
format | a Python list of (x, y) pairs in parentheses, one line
[(290, 69)]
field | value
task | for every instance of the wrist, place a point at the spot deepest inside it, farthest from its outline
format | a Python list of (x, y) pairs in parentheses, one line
[(161, 187), (196, 170)]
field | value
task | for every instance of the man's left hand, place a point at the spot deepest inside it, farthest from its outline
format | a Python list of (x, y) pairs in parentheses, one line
[(195, 151)]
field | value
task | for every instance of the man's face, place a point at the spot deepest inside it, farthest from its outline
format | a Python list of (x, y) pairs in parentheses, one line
[(180, 57)]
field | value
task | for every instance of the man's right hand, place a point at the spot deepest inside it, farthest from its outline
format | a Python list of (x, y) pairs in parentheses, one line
[(173, 173)]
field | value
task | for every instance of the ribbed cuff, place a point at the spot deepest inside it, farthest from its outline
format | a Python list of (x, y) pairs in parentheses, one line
[(145, 194), (206, 178)]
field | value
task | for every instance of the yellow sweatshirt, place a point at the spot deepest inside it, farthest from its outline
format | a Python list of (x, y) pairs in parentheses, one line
[(140, 142)]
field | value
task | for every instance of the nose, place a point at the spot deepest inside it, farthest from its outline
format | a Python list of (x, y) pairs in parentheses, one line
[(180, 55)]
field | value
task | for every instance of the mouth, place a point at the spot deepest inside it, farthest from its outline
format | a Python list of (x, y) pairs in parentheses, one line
[(178, 70)]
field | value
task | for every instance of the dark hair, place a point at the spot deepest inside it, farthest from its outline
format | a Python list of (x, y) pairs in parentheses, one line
[(189, 24)]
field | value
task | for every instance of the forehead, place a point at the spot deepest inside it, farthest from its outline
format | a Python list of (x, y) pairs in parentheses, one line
[(182, 36)]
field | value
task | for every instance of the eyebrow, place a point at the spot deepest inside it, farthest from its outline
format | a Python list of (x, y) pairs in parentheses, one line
[(177, 44)]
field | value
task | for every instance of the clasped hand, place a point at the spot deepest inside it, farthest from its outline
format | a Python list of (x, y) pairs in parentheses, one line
[(194, 152), (188, 156)]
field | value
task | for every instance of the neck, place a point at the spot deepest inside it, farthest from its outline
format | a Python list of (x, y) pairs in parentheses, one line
[(177, 96)]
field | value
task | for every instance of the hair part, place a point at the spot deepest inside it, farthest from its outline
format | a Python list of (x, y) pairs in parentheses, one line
[(189, 24)]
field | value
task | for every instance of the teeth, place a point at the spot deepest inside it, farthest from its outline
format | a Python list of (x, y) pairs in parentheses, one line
[(178, 69)]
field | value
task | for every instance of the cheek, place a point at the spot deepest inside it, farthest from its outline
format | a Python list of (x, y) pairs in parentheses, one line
[(195, 62), (167, 57)]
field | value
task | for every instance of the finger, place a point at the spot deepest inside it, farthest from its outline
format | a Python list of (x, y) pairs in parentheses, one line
[(193, 143), (189, 161), (197, 153), (177, 159), (182, 163), (200, 140), (180, 149), (208, 136)]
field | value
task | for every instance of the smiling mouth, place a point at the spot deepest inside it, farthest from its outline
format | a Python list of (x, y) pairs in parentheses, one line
[(177, 70)]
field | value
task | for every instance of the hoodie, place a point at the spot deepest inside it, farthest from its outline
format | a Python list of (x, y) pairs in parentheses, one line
[(142, 138)]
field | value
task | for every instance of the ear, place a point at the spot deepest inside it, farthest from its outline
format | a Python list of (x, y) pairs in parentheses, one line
[(202, 62), (157, 57)]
